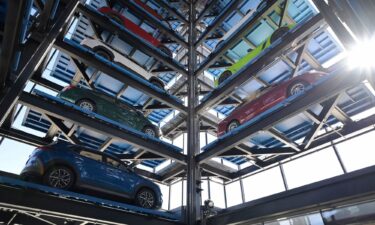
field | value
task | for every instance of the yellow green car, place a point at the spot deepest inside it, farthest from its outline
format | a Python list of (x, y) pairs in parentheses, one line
[(252, 54)]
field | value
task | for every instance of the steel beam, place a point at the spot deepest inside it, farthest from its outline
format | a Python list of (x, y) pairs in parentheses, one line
[(63, 128), (337, 26), (235, 37), (337, 82), (106, 23), (9, 100), (304, 199), (51, 205), (64, 113), (252, 69), (193, 198), (320, 140), (123, 75), (16, 11), (172, 11), (328, 106), (24, 137), (232, 6), (143, 13)]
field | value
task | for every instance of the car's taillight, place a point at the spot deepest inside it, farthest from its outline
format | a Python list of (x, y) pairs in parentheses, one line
[(44, 148), (68, 87)]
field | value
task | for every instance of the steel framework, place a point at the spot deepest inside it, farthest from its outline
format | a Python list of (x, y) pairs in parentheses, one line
[(25, 60)]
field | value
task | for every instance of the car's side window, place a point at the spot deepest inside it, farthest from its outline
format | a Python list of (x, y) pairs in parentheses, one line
[(112, 162), (91, 155)]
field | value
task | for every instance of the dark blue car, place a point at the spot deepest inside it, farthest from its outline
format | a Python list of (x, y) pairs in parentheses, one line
[(67, 166)]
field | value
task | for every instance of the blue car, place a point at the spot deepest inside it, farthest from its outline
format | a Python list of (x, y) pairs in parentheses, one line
[(67, 166)]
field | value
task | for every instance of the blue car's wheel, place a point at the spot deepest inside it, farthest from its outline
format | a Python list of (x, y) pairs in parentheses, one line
[(59, 177), (146, 198)]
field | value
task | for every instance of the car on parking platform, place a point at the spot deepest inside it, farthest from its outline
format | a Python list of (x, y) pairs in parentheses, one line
[(265, 101), (278, 33), (72, 167), (135, 29), (110, 107), (115, 56)]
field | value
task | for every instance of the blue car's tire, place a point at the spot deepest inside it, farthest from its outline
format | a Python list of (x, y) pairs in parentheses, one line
[(146, 198), (60, 177)]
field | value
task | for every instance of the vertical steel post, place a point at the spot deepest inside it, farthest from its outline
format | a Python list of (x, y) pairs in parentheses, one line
[(193, 171)]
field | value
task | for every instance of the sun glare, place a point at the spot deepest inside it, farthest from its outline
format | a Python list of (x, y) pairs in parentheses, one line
[(363, 54)]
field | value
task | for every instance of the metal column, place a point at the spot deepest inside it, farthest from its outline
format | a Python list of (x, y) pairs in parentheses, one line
[(193, 171)]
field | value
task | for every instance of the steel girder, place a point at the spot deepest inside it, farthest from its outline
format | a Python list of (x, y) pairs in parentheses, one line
[(11, 37), (43, 204), (131, 38), (307, 198), (137, 10), (9, 100), (252, 69), (337, 82), (122, 75), (64, 113)]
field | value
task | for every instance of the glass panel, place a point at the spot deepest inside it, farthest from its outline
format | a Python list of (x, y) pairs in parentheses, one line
[(263, 184), (357, 153), (217, 194), (176, 195), (311, 168), (204, 193), (356, 214), (233, 191), (165, 192)]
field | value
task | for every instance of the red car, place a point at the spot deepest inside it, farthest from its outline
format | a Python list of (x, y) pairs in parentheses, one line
[(275, 95), (134, 28)]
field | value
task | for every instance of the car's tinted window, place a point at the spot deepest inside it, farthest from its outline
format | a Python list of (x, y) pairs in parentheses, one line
[(113, 162), (91, 155)]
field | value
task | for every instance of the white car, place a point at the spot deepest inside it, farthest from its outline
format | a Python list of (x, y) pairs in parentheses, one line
[(113, 55)]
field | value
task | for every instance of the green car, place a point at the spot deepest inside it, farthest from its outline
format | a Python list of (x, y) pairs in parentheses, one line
[(252, 54), (109, 107)]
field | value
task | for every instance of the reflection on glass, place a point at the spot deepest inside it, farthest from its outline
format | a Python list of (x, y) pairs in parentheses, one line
[(357, 214)]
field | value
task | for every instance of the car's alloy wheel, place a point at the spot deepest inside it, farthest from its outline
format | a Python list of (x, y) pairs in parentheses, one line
[(59, 177), (233, 125), (157, 84), (278, 34), (103, 54), (297, 88), (224, 76), (87, 105), (146, 199), (150, 131)]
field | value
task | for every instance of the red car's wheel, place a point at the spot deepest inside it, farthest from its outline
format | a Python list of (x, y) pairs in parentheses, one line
[(278, 33), (87, 105), (146, 198), (224, 76), (296, 87), (233, 125)]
